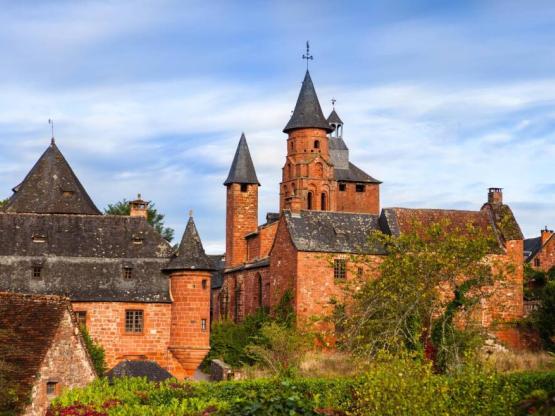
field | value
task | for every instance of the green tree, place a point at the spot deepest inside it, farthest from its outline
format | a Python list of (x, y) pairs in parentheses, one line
[(95, 351), (429, 279), (543, 319), (3, 202), (154, 218)]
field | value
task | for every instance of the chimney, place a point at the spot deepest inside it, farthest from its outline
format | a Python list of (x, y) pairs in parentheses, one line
[(138, 208), (294, 203), (495, 196), (545, 234)]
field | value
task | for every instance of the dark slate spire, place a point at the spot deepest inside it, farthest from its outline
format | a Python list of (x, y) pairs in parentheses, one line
[(242, 168), (334, 118), (308, 112), (51, 187), (190, 255)]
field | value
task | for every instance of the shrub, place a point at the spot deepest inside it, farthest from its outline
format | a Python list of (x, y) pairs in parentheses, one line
[(95, 351)]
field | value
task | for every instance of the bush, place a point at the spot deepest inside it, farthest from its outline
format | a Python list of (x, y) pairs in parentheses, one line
[(95, 351), (404, 386)]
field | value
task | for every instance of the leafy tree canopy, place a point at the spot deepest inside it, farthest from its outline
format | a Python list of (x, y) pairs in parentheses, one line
[(154, 218), (3, 202)]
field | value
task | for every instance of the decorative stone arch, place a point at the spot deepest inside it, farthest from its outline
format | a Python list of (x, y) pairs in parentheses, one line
[(318, 169)]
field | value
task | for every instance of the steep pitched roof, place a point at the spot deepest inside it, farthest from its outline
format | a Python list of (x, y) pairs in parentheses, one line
[(139, 368), (190, 255), (242, 168), (218, 261), (332, 232), (308, 112), (531, 247), (333, 118), (28, 325), (353, 174), (51, 187), (504, 220)]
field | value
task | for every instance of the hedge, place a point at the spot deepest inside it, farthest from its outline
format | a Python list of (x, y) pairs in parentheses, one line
[(395, 389)]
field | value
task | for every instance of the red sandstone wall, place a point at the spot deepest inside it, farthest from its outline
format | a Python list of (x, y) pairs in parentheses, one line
[(352, 201), (283, 264), (546, 256), (106, 325), (248, 297), (259, 245), (241, 219), (66, 362)]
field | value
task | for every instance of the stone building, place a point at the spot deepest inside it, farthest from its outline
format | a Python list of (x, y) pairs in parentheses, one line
[(42, 351), (137, 298), (328, 206), (540, 251)]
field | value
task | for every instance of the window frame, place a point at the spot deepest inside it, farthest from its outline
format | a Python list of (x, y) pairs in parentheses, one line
[(132, 329), (81, 317), (36, 270), (360, 188), (342, 187), (340, 269)]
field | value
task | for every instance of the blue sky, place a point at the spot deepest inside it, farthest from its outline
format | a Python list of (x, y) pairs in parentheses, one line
[(440, 99)]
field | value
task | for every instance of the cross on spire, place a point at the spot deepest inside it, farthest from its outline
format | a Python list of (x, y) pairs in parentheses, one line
[(333, 101), (51, 122), (308, 55)]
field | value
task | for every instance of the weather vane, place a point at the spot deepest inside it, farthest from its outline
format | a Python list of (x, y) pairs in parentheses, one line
[(308, 55), (51, 122), (333, 101)]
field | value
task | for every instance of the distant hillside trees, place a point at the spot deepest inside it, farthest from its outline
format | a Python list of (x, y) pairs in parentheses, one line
[(154, 218)]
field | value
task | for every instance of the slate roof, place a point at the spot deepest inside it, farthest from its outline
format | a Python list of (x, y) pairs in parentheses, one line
[(307, 113), (139, 368), (190, 255), (353, 174), (337, 143), (51, 187), (532, 246), (83, 256), (333, 118), (332, 232), (242, 168), (28, 325), (218, 261)]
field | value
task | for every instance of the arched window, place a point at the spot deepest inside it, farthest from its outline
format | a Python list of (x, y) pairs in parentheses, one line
[(323, 201), (259, 282), (309, 201), (316, 144)]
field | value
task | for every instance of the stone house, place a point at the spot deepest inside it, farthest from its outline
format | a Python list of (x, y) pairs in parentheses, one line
[(328, 207), (540, 251), (137, 297), (43, 349)]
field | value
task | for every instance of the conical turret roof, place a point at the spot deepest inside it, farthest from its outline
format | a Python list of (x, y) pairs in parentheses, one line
[(190, 255), (242, 168), (307, 113), (334, 118), (51, 187)]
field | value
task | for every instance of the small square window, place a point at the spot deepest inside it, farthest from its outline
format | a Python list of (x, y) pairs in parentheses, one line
[(81, 318), (537, 262), (203, 325), (37, 272), (128, 273), (51, 388), (339, 268), (360, 272), (204, 283), (134, 321), (342, 187), (359, 187), (244, 187)]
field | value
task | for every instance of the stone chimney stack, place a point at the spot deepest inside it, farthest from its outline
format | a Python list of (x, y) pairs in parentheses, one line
[(294, 203), (138, 208), (545, 234), (495, 196)]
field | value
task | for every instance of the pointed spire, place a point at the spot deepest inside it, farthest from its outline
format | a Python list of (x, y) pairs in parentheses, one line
[(190, 255), (307, 113), (242, 168), (51, 187), (334, 118)]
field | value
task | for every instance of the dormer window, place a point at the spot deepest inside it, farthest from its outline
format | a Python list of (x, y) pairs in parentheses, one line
[(137, 239), (39, 238), (128, 272), (68, 194), (37, 271)]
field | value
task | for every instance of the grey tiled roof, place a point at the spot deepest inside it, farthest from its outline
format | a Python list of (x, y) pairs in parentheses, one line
[(51, 187), (83, 257), (353, 174), (218, 261), (333, 118), (190, 255), (308, 112), (139, 368), (532, 246), (332, 232), (242, 168)]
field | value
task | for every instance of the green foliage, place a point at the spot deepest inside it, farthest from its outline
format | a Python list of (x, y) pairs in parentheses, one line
[(431, 277), (284, 312), (543, 319), (154, 218), (392, 387), (3, 202), (279, 349), (95, 351), (12, 396)]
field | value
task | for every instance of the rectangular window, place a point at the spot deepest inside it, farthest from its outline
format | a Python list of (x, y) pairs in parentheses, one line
[(339, 268), (342, 187), (51, 387), (537, 262), (360, 272), (37, 272), (359, 187), (134, 321), (203, 325), (128, 273), (81, 318), (204, 283), (244, 187)]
